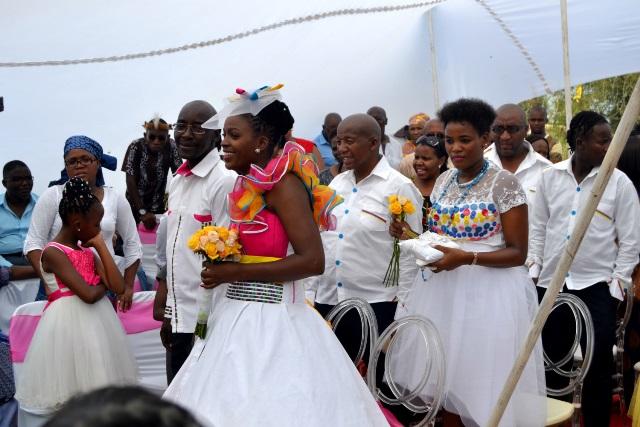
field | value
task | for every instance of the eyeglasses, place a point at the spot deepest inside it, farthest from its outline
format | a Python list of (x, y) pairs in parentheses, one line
[(161, 138), (511, 129), (20, 179), (196, 129), (80, 161)]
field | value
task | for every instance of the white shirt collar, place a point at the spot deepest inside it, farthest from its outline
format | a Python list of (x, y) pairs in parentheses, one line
[(529, 161), (381, 170), (565, 165)]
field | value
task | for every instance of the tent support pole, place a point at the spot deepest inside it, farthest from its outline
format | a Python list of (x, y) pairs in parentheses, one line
[(434, 65), (582, 223), (565, 64)]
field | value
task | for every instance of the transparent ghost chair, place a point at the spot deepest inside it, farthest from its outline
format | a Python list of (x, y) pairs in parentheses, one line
[(427, 396)]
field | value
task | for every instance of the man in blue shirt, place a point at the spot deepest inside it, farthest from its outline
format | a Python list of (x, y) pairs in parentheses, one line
[(323, 141), (16, 206)]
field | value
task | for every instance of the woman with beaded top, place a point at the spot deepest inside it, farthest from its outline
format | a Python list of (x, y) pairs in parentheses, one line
[(268, 358), (479, 296)]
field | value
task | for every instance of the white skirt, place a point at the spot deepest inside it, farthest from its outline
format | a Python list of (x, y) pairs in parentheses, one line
[(77, 347), (272, 364), (483, 316)]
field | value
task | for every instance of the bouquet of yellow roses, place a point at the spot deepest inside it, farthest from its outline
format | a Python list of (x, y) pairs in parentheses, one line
[(400, 207), (214, 244)]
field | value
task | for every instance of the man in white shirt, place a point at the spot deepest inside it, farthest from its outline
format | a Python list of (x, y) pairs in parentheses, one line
[(391, 148), (197, 194), (512, 152), (602, 266), (358, 251)]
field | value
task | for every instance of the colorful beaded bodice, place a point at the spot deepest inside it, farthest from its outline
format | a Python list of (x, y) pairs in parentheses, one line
[(471, 211)]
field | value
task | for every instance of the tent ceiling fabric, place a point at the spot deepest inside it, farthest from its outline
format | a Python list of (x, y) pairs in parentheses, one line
[(345, 63)]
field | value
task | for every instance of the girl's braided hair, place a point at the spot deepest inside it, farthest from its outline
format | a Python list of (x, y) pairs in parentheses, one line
[(76, 198)]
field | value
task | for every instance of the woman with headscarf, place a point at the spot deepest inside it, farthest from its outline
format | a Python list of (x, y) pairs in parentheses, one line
[(412, 132), (84, 158)]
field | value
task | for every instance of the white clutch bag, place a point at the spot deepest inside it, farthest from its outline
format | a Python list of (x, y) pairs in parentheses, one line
[(422, 247)]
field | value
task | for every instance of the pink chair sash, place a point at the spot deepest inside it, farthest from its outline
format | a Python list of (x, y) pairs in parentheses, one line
[(21, 330), (139, 318)]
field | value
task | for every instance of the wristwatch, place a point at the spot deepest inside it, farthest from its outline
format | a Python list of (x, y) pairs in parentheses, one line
[(142, 211)]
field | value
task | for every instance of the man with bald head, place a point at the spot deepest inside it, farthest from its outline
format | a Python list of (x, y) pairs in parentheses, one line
[(199, 188), (358, 251), (391, 148), (323, 141), (512, 152)]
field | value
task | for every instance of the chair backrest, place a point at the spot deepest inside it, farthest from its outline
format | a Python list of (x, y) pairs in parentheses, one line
[(367, 320), (148, 240), (143, 333), (434, 373), (584, 325), (12, 296)]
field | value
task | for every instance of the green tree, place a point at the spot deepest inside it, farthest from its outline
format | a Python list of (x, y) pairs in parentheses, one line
[(609, 97)]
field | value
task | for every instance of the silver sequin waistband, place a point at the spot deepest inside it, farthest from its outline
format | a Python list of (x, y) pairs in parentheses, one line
[(255, 292)]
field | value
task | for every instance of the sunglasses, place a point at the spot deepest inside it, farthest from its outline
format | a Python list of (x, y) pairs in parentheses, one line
[(430, 140), (435, 134), (511, 129), (161, 138)]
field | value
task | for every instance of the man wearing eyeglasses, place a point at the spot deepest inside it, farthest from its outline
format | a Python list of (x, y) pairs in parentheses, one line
[(16, 206), (197, 195), (512, 152), (147, 163)]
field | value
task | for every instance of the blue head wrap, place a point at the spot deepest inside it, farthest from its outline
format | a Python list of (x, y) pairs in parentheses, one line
[(89, 145)]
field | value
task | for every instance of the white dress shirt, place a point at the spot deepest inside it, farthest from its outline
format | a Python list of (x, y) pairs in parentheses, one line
[(201, 191), (160, 257), (609, 250), (529, 170), (358, 251), (46, 223)]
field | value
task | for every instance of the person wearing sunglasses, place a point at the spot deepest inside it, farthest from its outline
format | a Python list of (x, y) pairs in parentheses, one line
[(146, 164), (433, 128), (510, 150)]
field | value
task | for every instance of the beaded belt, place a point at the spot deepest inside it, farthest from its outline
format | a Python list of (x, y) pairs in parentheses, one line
[(255, 292)]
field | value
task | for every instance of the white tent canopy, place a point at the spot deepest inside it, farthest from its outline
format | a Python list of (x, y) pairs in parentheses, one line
[(499, 50)]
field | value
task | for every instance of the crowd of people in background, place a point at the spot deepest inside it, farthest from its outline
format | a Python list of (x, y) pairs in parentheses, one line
[(314, 222)]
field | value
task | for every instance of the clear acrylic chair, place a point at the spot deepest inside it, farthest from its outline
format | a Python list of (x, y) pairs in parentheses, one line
[(434, 372), (367, 320), (624, 314), (559, 411)]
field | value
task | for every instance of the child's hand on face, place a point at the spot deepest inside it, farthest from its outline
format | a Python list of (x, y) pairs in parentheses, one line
[(94, 242)]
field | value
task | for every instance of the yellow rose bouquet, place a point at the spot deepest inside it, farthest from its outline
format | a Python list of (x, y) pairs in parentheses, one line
[(400, 207), (214, 244)]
